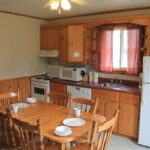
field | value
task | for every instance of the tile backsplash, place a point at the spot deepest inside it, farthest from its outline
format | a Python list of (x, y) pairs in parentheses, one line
[(119, 76), (54, 61)]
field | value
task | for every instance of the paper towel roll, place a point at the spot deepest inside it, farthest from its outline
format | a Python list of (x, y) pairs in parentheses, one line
[(90, 76), (95, 77)]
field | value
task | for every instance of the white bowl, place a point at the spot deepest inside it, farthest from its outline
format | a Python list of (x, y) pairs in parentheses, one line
[(31, 100), (63, 131)]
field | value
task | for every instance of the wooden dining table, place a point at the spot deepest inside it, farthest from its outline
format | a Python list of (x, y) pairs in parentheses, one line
[(52, 116)]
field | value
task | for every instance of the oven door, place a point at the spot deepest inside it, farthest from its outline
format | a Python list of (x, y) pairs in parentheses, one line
[(38, 90)]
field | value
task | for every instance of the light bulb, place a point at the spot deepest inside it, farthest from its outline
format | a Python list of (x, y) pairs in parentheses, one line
[(54, 5), (65, 4)]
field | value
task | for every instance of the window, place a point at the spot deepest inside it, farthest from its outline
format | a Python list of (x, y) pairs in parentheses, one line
[(118, 48)]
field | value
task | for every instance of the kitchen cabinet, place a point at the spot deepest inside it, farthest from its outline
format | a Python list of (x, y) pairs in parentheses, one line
[(57, 87), (128, 120), (88, 46), (71, 43), (129, 115), (50, 37), (108, 103)]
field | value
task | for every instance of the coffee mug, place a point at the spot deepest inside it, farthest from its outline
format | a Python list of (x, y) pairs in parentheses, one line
[(77, 112), (15, 108)]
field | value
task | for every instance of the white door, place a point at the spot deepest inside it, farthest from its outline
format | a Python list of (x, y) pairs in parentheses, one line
[(146, 69), (144, 130)]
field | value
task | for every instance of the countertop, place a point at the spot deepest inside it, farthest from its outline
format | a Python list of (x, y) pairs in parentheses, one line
[(126, 88)]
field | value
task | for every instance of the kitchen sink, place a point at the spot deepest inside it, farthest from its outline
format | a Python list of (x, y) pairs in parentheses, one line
[(112, 85)]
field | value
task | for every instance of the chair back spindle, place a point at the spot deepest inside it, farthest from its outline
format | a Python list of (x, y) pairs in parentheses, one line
[(7, 136), (58, 98), (9, 98), (28, 133), (85, 105), (102, 133)]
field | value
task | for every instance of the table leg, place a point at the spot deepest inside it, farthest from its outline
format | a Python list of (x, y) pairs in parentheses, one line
[(63, 146)]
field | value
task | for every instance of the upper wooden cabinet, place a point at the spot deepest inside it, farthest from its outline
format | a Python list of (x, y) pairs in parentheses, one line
[(68, 39), (71, 43), (50, 37)]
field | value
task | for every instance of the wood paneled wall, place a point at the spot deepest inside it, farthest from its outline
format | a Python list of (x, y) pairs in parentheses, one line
[(12, 85)]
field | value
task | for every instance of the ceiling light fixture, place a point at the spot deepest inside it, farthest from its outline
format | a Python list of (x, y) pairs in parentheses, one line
[(60, 4)]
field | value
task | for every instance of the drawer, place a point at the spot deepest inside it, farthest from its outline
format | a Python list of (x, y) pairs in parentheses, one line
[(106, 95), (129, 99), (57, 87)]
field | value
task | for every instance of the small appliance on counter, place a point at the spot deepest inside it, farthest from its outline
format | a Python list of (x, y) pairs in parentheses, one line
[(71, 73), (93, 77)]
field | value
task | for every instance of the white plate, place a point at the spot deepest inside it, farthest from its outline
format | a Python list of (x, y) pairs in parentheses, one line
[(31, 100), (63, 131), (74, 122), (21, 105)]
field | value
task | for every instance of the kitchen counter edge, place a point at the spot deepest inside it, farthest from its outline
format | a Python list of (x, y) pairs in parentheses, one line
[(125, 89)]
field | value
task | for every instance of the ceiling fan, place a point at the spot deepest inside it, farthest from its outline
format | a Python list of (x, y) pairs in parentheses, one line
[(63, 4)]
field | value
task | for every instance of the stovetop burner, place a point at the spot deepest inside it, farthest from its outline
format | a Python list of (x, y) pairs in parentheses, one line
[(46, 78)]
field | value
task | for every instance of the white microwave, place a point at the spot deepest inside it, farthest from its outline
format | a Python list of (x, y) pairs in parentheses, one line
[(71, 73)]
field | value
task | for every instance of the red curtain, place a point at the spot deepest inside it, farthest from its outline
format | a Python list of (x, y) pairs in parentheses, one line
[(104, 46), (104, 55), (133, 50)]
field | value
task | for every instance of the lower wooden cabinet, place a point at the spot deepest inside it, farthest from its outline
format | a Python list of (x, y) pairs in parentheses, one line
[(110, 109), (128, 120), (57, 87), (108, 103), (129, 115)]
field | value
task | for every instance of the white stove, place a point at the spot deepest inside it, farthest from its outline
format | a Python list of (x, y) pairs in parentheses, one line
[(42, 79), (40, 84)]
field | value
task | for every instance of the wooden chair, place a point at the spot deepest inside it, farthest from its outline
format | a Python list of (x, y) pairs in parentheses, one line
[(7, 136), (57, 98), (100, 136), (30, 136), (9, 98), (85, 105)]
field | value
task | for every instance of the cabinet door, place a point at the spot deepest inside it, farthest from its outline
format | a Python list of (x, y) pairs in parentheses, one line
[(63, 44), (110, 109), (108, 103), (101, 108), (75, 43), (88, 47), (50, 38), (129, 115), (57, 87)]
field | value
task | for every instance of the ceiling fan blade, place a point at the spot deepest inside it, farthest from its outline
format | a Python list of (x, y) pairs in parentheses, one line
[(47, 4), (80, 2)]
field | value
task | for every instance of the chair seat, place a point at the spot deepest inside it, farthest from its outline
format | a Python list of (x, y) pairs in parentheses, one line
[(48, 146), (82, 146)]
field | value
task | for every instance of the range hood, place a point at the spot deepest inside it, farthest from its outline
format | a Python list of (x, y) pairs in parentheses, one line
[(48, 53)]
